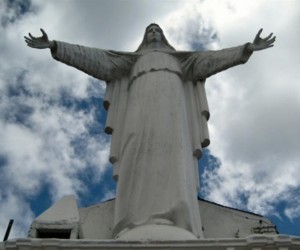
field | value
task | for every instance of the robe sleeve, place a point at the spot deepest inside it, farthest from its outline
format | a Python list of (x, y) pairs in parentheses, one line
[(196, 67), (101, 64), (201, 65)]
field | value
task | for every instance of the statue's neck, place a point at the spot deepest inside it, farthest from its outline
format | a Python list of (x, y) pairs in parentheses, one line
[(154, 45)]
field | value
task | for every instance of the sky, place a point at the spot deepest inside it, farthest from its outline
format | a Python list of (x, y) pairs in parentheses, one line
[(51, 116)]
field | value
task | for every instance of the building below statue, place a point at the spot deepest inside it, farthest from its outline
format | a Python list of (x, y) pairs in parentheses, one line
[(65, 226), (65, 220)]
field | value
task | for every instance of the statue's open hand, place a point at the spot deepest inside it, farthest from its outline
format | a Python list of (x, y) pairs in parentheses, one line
[(262, 43), (38, 42)]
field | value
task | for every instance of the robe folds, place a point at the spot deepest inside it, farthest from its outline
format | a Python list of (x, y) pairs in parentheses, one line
[(157, 116)]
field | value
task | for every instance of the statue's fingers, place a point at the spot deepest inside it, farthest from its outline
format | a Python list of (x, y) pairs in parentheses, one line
[(27, 38), (30, 43), (272, 40), (268, 37), (32, 46), (44, 33), (259, 32), (31, 36)]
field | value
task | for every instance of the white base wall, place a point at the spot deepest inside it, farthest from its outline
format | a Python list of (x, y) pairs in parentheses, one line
[(253, 242)]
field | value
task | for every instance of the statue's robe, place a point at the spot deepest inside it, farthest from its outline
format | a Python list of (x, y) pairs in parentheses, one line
[(157, 115)]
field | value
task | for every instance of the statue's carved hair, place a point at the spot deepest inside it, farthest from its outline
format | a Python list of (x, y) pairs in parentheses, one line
[(164, 41)]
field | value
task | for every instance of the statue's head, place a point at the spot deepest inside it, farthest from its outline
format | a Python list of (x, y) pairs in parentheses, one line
[(154, 34)]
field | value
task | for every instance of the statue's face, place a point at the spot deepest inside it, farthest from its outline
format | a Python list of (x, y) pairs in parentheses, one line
[(153, 34)]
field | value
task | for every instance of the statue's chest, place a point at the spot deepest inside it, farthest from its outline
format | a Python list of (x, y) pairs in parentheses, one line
[(155, 61)]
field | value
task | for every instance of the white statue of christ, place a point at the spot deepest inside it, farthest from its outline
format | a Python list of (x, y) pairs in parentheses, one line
[(157, 116)]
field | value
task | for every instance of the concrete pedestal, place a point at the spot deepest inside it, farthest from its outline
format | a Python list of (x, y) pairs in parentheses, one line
[(156, 233), (253, 242)]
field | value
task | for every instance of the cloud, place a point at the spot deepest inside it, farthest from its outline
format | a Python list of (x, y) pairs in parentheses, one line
[(188, 29), (292, 212), (13, 206)]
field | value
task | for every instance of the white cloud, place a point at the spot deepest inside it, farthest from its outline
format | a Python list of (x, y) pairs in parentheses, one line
[(293, 211), (45, 150), (14, 207)]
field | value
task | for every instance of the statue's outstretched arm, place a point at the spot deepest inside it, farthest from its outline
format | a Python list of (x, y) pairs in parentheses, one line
[(101, 64), (39, 42), (208, 63), (261, 43)]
